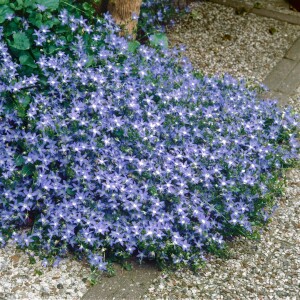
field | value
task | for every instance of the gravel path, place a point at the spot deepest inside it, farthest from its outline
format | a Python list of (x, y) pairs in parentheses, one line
[(270, 267), (19, 279), (220, 41)]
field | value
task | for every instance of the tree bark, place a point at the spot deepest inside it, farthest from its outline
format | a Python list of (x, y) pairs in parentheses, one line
[(123, 11), (181, 4)]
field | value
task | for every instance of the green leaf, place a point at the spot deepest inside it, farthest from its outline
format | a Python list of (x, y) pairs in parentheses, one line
[(90, 61), (21, 41), (52, 22), (133, 45), (50, 4), (32, 260), (11, 28), (27, 60), (19, 161), (61, 29), (36, 53), (5, 11), (25, 101), (28, 3), (87, 6), (36, 19), (19, 6), (52, 49), (70, 192), (69, 38), (28, 170), (159, 40), (2, 2)]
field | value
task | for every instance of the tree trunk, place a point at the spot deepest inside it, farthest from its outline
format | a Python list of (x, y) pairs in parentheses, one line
[(181, 4), (123, 12)]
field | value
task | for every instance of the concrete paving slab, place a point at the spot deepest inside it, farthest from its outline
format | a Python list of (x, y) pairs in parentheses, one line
[(280, 97), (294, 51), (276, 15), (292, 82), (279, 73), (125, 285)]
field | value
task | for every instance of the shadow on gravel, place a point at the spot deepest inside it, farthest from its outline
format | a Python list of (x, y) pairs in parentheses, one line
[(125, 285)]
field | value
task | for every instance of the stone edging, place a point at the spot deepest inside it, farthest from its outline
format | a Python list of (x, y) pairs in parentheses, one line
[(260, 11), (284, 79)]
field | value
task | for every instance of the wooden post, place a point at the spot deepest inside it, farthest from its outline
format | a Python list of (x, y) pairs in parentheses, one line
[(122, 12)]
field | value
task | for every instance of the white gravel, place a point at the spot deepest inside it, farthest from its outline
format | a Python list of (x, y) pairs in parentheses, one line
[(220, 41), (21, 280)]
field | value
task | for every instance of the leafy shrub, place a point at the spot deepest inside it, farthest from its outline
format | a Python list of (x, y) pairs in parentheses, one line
[(24, 23), (116, 150)]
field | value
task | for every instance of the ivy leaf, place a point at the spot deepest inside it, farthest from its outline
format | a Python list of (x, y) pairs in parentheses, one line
[(21, 41), (5, 11), (50, 4), (159, 40)]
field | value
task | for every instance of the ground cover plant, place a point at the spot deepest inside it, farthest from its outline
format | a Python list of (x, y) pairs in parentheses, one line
[(110, 149)]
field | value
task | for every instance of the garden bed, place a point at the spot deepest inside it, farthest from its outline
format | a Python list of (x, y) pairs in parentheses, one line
[(53, 151)]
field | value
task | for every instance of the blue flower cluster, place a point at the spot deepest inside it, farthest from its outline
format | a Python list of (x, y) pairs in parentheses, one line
[(120, 152)]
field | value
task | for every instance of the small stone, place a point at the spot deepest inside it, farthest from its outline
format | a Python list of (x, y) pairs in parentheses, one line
[(60, 286), (282, 294), (15, 258)]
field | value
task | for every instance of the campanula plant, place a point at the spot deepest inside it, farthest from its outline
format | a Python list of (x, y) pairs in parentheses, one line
[(114, 151)]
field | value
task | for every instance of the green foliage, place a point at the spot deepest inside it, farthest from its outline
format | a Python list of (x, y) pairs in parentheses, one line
[(221, 252), (159, 39), (133, 45), (5, 11), (94, 277), (21, 19), (49, 4), (20, 41), (38, 272)]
